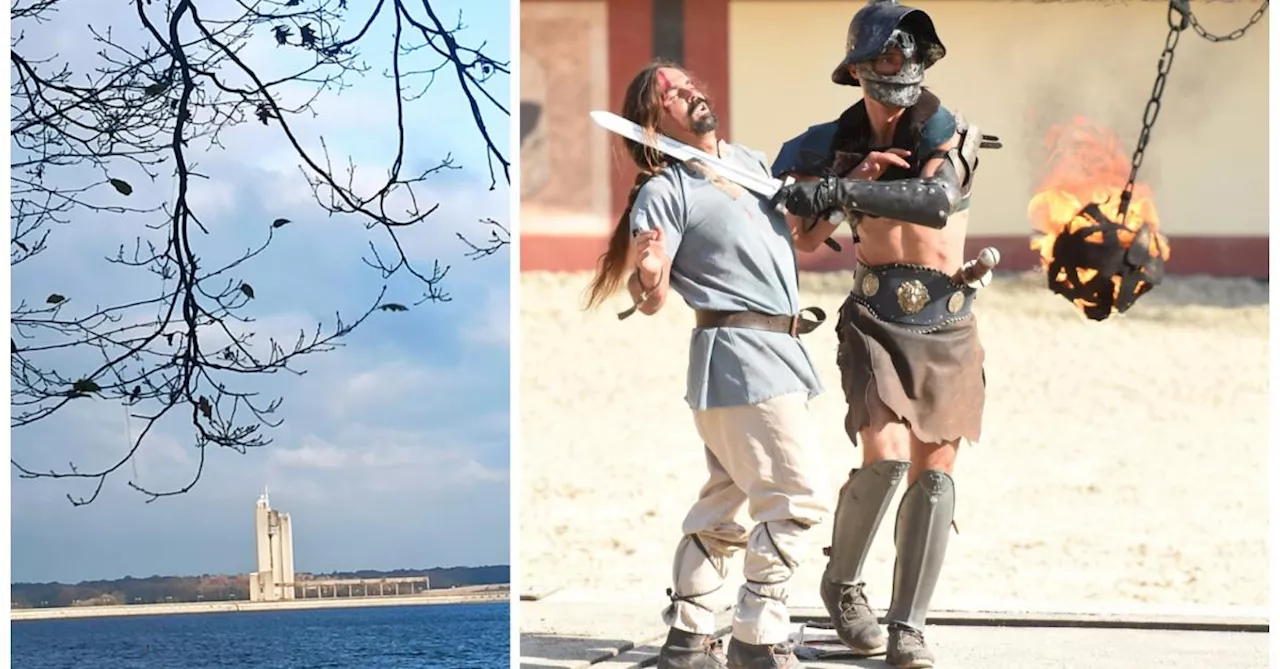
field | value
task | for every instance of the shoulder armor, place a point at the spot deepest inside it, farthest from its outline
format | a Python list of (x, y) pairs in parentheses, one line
[(806, 153), (964, 157), (938, 130)]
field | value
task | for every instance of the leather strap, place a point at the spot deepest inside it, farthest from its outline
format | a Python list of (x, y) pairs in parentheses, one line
[(794, 325)]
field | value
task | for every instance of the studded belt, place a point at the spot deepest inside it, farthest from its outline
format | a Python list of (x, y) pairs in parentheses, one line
[(911, 294)]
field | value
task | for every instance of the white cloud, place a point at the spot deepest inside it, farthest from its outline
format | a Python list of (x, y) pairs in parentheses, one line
[(493, 323), (313, 454), (389, 459), (475, 471), (387, 384), (211, 199), (162, 461)]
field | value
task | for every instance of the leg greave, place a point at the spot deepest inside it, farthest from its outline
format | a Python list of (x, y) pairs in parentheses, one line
[(924, 520), (864, 498)]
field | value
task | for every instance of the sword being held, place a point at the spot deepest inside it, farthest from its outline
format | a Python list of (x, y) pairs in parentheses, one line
[(766, 187)]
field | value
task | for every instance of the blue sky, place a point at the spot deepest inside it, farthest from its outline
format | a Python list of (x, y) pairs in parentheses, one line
[(394, 451)]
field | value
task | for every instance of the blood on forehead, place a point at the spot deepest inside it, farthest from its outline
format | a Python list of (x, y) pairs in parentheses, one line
[(669, 78)]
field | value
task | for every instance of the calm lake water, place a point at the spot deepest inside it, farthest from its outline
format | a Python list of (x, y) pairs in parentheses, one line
[(447, 636)]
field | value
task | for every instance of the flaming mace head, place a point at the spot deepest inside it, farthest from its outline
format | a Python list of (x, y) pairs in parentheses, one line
[(1119, 275)]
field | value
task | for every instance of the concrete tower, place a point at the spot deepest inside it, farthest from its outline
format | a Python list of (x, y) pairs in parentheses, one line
[(274, 579)]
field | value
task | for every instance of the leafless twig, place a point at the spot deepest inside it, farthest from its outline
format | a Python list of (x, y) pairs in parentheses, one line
[(147, 108)]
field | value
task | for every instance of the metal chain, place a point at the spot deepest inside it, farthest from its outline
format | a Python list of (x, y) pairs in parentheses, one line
[(1180, 17), (1237, 34)]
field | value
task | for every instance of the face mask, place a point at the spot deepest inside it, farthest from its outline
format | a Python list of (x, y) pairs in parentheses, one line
[(902, 88)]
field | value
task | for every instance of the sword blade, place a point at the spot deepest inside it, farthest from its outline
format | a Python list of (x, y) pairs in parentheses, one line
[(766, 186)]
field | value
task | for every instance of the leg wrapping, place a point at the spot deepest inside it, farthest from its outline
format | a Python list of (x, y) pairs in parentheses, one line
[(697, 573), (761, 616), (921, 535)]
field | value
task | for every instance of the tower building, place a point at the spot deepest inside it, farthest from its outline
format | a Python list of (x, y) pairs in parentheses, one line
[(273, 581)]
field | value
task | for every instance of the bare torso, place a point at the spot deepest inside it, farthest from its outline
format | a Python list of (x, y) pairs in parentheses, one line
[(883, 241)]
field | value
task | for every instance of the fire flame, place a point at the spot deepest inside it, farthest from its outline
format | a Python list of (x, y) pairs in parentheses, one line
[(1088, 165)]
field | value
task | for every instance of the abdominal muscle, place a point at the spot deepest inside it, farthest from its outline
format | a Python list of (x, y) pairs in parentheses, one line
[(882, 241)]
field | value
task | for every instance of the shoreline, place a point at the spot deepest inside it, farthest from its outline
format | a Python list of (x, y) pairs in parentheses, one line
[(468, 595)]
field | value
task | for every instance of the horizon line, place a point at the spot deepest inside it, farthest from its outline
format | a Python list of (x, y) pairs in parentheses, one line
[(245, 573)]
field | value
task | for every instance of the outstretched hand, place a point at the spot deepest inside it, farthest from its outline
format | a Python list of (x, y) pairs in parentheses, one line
[(873, 166)]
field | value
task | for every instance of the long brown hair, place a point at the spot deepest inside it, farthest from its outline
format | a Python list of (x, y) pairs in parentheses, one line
[(641, 105)]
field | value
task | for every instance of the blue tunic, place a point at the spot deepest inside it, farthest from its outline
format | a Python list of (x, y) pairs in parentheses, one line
[(730, 251)]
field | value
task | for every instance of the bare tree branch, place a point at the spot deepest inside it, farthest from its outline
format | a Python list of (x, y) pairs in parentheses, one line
[(499, 237), (147, 108)]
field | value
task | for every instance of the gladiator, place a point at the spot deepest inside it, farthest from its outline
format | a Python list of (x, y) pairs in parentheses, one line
[(729, 255), (898, 167)]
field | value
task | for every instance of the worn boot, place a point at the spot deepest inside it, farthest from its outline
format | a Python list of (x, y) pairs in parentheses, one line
[(686, 650), (747, 656), (907, 649), (854, 621), (924, 521), (864, 498)]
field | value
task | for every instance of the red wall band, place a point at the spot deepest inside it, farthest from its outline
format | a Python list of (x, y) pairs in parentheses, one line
[(705, 40)]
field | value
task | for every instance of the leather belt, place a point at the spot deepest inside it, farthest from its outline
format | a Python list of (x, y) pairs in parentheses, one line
[(912, 294), (794, 325)]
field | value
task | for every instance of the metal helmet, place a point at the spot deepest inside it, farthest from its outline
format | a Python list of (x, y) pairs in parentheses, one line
[(882, 24)]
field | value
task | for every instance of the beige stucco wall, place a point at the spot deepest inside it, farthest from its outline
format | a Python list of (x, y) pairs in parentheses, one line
[(1017, 68), (564, 158)]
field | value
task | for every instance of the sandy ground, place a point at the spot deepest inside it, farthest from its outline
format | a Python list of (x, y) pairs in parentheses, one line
[(1122, 463)]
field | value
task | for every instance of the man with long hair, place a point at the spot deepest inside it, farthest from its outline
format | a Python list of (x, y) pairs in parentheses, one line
[(728, 253), (898, 165)]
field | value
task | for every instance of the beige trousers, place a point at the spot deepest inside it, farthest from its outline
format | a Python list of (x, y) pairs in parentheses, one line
[(767, 457)]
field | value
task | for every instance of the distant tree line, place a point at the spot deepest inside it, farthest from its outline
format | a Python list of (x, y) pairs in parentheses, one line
[(219, 587)]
